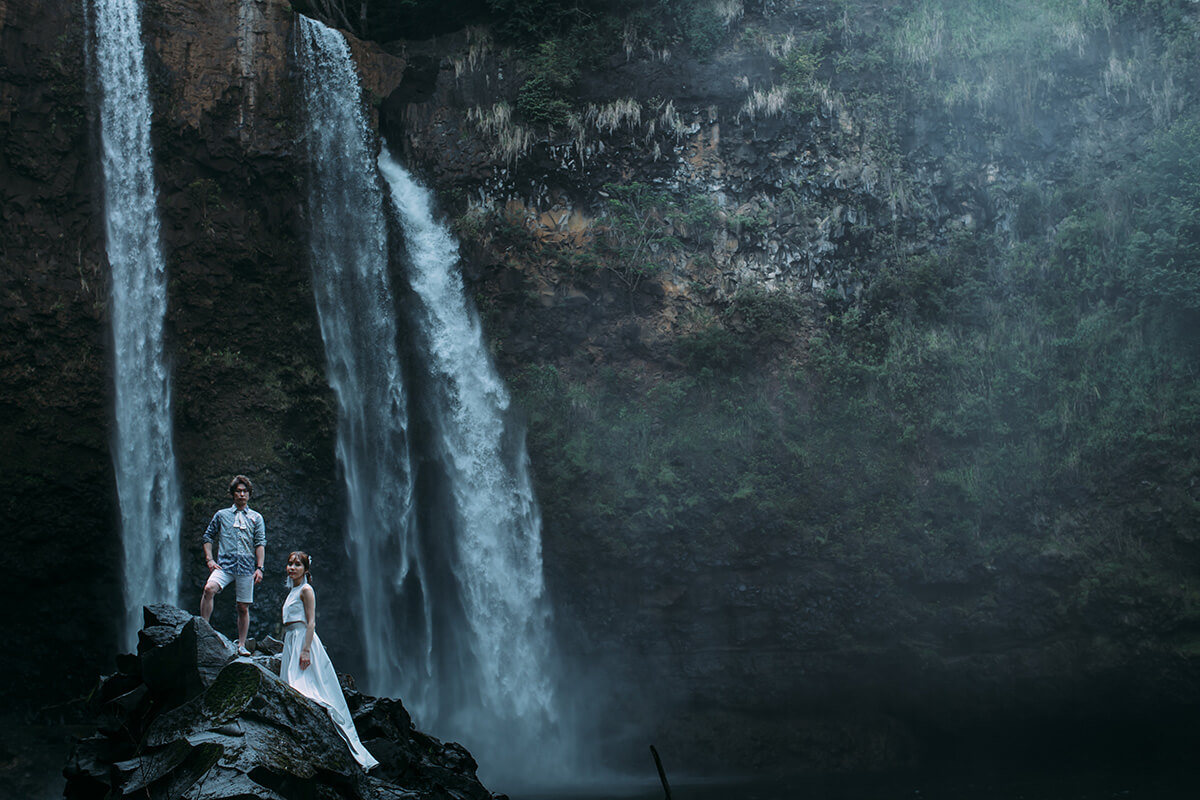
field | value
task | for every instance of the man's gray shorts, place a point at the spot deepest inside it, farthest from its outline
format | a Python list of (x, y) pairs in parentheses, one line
[(245, 584)]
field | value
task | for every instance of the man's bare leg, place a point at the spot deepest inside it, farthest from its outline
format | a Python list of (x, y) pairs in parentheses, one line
[(243, 623), (206, 599)]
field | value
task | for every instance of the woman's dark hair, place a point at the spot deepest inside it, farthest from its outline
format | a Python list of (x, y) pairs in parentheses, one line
[(305, 562), (238, 479)]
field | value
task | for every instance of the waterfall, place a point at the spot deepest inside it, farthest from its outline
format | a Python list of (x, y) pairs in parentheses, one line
[(454, 617), (348, 230), (143, 452), (491, 515)]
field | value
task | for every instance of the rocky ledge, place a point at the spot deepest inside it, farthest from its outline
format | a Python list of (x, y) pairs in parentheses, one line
[(187, 718)]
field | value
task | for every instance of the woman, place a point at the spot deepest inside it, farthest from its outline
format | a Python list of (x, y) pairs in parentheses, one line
[(304, 664)]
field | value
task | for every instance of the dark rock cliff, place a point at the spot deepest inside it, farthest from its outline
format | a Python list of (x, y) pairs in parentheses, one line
[(57, 482), (822, 645), (250, 394), (826, 640)]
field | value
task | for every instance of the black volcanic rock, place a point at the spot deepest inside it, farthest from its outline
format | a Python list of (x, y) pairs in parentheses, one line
[(180, 655), (190, 719)]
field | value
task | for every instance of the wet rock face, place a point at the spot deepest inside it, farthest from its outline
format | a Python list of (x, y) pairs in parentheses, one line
[(799, 201), (55, 478), (187, 718), (250, 393), (758, 198), (831, 665)]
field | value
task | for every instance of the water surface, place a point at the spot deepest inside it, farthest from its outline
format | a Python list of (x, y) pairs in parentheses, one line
[(995, 783)]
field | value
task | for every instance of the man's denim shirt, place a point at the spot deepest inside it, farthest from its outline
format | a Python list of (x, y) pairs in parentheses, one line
[(236, 540)]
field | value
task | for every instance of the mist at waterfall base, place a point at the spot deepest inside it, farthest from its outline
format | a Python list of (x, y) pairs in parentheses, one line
[(442, 525), (142, 447), (476, 511), (1015, 783)]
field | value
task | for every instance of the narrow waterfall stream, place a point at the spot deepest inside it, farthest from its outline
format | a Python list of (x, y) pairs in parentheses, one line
[(454, 616), (348, 230), (491, 515), (142, 447)]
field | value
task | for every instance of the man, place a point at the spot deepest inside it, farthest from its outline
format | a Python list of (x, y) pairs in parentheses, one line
[(241, 540)]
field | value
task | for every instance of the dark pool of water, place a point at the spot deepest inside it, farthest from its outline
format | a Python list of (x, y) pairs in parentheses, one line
[(992, 784), (32, 756)]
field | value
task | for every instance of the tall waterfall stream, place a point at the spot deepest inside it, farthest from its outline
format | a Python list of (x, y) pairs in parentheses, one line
[(348, 235), (488, 509), (454, 616), (142, 448)]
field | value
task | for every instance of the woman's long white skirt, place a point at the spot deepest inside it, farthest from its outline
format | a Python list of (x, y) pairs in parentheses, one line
[(320, 682)]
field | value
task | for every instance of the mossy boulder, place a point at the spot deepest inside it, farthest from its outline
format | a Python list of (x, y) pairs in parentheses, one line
[(170, 730)]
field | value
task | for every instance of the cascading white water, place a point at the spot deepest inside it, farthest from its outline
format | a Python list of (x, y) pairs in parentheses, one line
[(454, 616), (348, 230), (493, 518), (142, 446)]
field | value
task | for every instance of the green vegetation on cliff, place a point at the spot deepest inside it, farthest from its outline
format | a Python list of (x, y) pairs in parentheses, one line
[(998, 390), (866, 328)]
